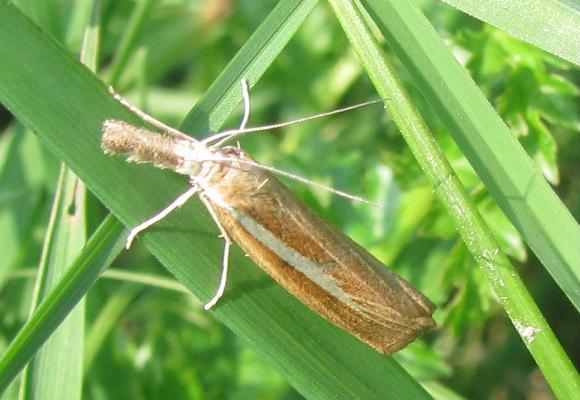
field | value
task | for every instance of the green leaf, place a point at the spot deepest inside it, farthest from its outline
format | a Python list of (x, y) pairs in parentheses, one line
[(502, 276), (22, 178), (552, 25), (56, 370), (98, 253)]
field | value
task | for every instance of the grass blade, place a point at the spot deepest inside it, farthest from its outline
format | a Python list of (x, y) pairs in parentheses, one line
[(552, 25), (99, 252), (503, 278), (56, 369)]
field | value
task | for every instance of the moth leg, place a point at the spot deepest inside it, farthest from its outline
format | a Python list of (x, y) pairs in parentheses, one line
[(226, 257), (178, 202), (246, 97), (148, 118)]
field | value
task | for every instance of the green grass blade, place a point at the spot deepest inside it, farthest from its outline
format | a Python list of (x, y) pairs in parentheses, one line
[(21, 194), (56, 369), (108, 317), (502, 164), (552, 25), (508, 287), (134, 25), (99, 252), (66, 105)]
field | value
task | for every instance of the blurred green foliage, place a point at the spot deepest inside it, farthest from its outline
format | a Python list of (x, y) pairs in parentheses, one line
[(161, 344)]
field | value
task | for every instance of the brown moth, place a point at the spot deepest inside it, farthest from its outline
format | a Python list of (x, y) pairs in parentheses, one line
[(318, 264)]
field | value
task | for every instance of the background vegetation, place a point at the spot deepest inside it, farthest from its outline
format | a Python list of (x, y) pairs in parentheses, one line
[(145, 336)]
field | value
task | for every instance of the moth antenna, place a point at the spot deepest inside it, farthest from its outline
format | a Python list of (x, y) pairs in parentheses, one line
[(225, 136), (298, 178)]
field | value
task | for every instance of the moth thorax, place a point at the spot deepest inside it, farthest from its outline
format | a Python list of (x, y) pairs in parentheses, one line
[(188, 153)]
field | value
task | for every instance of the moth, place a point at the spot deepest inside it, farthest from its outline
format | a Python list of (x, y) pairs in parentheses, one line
[(318, 264)]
